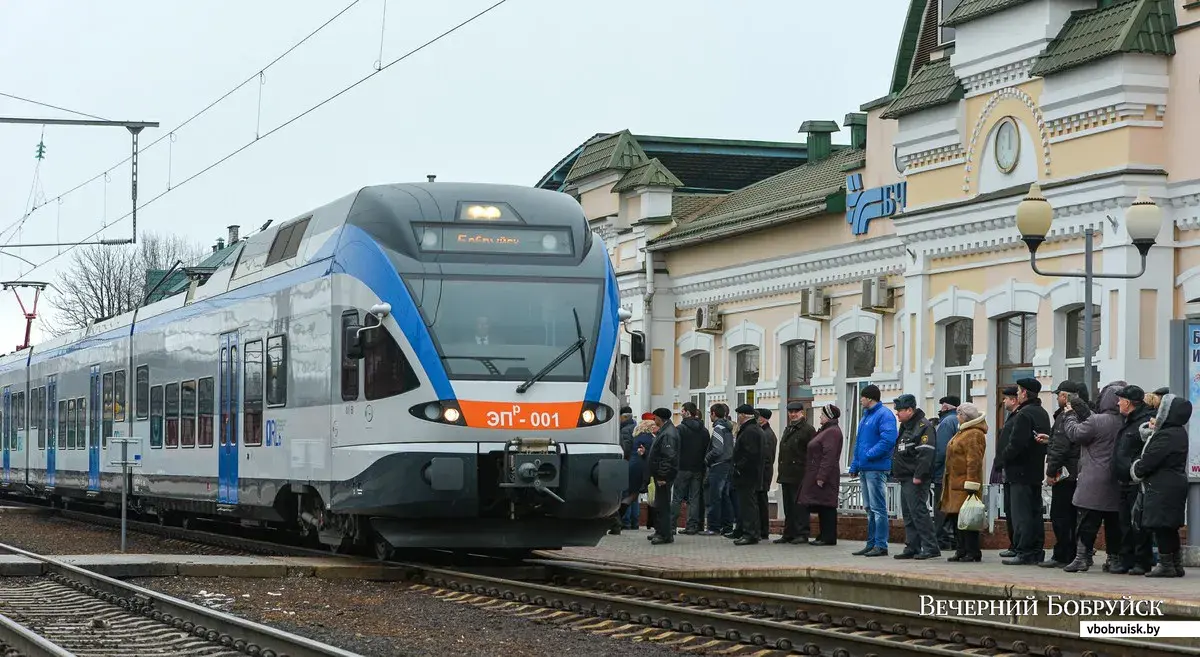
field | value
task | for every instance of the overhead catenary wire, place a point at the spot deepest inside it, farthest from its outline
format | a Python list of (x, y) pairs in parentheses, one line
[(279, 127), (193, 117), (61, 109)]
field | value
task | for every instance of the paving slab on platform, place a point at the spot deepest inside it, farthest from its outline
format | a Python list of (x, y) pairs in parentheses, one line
[(168, 565), (834, 573)]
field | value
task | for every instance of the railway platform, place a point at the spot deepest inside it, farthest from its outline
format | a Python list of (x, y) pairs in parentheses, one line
[(833, 573)]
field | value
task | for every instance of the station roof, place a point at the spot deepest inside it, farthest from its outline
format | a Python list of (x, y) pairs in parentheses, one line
[(700, 165), (1124, 26)]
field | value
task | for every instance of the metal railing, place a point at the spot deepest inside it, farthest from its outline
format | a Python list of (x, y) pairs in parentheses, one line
[(850, 500)]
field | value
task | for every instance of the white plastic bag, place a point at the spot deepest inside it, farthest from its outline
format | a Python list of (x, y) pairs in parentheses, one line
[(972, 514)]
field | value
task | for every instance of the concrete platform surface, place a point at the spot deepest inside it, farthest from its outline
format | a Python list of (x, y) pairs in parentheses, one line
[(168, 565), (26, 510), (818, 571)]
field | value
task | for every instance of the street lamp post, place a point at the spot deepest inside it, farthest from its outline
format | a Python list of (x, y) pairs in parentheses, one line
[(1034, 217)]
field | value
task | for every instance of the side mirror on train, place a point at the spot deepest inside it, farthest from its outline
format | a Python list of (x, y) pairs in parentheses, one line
[(352, 342), (381, 310), (637, 347), (624, 314)]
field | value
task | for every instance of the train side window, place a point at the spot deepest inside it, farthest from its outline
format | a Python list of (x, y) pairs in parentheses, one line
[(81, 423), (277, 371), (51, 401), (62, 424), (33, 416), (349, 365), (172, 415), (386, 369), (106, 414), (156, 417), (287, 241), (39, 412), (141, 396), (207, 397), (187, 424), (71, 425), (252, 396), (20, 411), (119, 405)]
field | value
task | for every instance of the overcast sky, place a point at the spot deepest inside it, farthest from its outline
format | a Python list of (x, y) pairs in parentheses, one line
[(501, 100)]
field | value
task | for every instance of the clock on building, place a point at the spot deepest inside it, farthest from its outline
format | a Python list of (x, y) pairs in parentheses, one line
[(896, 161), (1007, 144)]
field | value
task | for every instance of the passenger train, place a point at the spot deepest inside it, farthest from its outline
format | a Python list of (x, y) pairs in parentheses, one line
[(412, 365)]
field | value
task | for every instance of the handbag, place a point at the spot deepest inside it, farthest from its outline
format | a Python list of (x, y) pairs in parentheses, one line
[(972, 514)]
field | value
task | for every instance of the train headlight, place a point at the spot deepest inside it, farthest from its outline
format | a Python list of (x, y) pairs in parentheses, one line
[(594, 414), (588, 416), (433, 411), (451, 415), (603, 413), (550, 243), (429, 238)]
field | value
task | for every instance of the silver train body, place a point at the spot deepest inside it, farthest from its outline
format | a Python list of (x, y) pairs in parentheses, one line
[(353, 372)]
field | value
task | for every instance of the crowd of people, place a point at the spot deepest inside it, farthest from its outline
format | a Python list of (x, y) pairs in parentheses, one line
[(1119, 461)]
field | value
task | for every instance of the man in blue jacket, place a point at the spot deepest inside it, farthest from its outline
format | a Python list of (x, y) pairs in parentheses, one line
[(873, 445), (947, 426)]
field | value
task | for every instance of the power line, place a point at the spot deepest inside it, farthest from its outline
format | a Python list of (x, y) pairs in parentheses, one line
[(62, 109), (277, 128), (195, 116)]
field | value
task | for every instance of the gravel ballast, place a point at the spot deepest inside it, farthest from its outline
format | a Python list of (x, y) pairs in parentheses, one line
[(389, 619), (45, 534)]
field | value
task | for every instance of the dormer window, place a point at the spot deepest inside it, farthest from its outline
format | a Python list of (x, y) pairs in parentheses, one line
[(945, 8)]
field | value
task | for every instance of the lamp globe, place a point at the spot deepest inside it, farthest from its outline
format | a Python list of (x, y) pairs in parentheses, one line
[(1143, 220), (1034, 217)]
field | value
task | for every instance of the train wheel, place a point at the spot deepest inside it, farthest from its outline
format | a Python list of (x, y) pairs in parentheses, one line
[(383, 550)]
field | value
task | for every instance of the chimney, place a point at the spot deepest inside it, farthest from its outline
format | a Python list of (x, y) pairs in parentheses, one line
[(233, 234), (857, 122), (220, 244), (432, 177), (820, 138)]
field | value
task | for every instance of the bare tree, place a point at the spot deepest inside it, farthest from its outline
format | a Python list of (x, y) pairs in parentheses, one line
[(102, 281)]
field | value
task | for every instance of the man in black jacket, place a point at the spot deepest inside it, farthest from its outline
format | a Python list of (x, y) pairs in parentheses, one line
[(663, 465), (912, 465), (748, 473), (1024, 463), (693, 444), (1010, 408), (1062, 472), (627, 426), (1137, 555), (793, 454), (770, 444)]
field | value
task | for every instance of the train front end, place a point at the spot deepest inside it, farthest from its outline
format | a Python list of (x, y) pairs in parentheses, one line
[(510, 312)]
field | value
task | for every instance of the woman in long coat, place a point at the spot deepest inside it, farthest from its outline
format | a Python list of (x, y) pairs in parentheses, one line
[(964, 475), (822, 474), (1162, 473), (643, 438), (1097, 492)]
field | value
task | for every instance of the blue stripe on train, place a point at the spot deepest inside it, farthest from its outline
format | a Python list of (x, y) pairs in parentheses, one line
[(607, 340)]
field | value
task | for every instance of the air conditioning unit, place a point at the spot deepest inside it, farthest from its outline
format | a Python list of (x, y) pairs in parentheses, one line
[(708, 319), (814, 303), (877, 296)]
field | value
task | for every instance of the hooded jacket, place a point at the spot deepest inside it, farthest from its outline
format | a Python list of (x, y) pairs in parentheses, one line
[(793, 451), (916, 446), (1095, 434), (1130, 443), (627, 427), (1161, 469), (720, 443), (875, 440), (693, 444)]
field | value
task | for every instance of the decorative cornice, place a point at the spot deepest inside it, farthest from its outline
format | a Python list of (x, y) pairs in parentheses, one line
[(985, 114), (1001, 76), (1187, 211), (1099, 117), (942, 155)]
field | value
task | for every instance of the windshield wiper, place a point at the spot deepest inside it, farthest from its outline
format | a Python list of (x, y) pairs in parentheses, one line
[(558, 360)]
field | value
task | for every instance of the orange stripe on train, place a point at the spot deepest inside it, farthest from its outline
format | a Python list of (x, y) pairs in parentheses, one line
[(536, 416)]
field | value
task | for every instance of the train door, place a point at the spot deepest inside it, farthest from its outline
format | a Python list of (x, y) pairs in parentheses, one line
[(93, 430), (7, 440), (230, 405), (51, 431)]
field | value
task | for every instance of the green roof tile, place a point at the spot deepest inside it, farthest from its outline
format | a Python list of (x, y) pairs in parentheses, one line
[(618, 151), (935, 84), (969, 10), (1126, 26), (907, 50), (647, 174), (800, 192)]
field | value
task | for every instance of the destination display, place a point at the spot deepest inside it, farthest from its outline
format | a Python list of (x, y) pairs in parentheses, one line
[(508, 240)]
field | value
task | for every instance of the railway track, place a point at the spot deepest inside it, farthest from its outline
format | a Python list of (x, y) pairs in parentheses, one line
[(73, 611)]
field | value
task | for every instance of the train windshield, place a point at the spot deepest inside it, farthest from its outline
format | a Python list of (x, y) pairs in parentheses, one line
[(509, 330)]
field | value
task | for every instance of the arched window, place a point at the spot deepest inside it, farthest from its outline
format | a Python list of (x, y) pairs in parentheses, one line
[(1016, 337), (860, 356), (698, 378), (858, 366), (958, 345), (801, 365), (1073, 349), (746, 374)]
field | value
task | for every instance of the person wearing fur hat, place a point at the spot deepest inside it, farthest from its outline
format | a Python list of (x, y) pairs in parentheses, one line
[(1161, 472), (873, 445), (963, 476)]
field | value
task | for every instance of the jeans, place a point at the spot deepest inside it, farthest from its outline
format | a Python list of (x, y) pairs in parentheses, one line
[(687, 488), (633, 515), (720, 505), (918, 520), (874, 492)]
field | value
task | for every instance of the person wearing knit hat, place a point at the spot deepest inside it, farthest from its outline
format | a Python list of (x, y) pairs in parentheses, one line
[(1024, 470), (822, 473), (648, 416), (964, 476), (872, 461)]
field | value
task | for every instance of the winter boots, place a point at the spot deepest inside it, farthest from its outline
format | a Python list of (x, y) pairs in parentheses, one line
[(1083, 561), (1169, 565)]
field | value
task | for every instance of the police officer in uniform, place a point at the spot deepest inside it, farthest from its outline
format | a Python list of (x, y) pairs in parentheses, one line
[(912, 465)]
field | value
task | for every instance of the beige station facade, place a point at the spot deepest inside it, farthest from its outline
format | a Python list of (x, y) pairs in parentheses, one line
[(893, 258)]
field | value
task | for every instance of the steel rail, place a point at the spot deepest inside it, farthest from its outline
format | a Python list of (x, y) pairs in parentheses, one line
[(29, 644), (966, 632), (222, 628)]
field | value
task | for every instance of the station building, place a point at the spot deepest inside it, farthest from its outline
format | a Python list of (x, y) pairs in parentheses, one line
[(894, 259)]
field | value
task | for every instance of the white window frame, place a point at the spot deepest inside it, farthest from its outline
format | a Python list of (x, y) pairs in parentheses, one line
[(745, 393), (1075, 363), (963, 391)]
